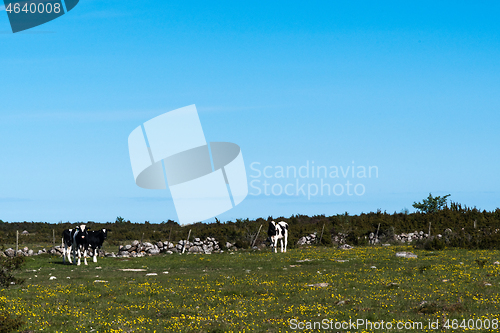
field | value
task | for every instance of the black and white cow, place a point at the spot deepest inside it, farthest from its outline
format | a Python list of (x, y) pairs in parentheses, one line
[(278, 231), (95, 239), (76, 240)]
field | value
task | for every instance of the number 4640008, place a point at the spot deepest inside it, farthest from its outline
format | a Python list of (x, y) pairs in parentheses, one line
[(34, 8), (471, 324)]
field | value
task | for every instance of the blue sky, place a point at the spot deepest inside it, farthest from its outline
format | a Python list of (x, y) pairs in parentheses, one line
[(411, 88)]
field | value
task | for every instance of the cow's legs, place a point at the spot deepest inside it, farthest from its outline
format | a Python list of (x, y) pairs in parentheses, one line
[(286, 241), (64, 253), (74, 252), (67, 253), (79, 256), (283, 241), (275, 244), (85, 256), (95, 255), (76, 247)]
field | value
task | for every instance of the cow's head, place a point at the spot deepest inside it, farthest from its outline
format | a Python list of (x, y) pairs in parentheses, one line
[(81, 233), (271, 231)]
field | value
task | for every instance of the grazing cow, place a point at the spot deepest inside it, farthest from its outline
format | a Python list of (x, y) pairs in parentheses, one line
[(76, 240), (95, 239), (278, 231)]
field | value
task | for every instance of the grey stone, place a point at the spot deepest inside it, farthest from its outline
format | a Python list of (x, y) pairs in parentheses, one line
[(154, 252), (406, 255), (10, 252)]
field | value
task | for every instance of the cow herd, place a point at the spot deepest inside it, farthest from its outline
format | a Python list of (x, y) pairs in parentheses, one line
[(80, 240)]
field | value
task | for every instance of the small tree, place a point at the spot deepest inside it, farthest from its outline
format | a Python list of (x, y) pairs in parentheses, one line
[(9, 323), (431, 204)]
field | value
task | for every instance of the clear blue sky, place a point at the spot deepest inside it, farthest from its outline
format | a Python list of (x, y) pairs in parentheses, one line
[(411, 88)]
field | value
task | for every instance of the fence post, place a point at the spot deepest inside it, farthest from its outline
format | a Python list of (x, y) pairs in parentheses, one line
[(322, 233), (429, 229), (187, 240), (17, 241), (53, 237), (253, 243)]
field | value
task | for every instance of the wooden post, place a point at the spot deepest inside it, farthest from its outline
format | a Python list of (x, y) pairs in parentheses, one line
[(187, 240), (53, 237), (17, 241), (320, 238), (429, 229), (475, 224), (253, 243)]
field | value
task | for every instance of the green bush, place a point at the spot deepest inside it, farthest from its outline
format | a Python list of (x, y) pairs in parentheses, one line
[(433, 244), (9, 323), (7, 267)]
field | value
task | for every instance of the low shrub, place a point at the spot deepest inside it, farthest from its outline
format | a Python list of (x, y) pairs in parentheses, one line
[(9, 323)]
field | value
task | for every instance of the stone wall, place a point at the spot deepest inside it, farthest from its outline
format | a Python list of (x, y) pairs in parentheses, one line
[(138, 249), (22, 252), (308, 240), (405, 237)]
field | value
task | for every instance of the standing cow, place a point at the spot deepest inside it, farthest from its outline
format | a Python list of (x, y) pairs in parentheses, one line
[(76, 240), (278, 231), (95, 239)]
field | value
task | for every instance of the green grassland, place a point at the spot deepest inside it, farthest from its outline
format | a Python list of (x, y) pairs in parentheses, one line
[(260, 291)]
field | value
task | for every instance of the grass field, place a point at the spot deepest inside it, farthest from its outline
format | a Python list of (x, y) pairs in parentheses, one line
[(262, 292)]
